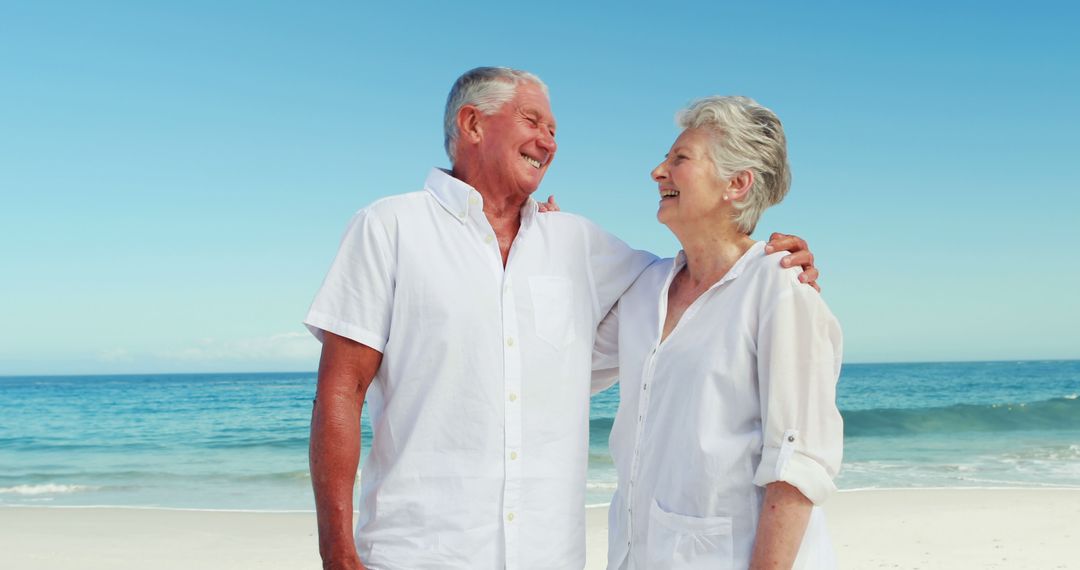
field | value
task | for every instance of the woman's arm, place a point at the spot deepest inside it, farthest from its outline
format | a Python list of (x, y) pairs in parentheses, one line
[(784, 516), (799, 354)]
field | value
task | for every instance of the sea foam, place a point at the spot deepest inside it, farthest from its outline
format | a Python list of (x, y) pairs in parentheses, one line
[(45, 489)]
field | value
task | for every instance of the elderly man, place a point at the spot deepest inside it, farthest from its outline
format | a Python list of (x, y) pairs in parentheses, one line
[(467, 322)]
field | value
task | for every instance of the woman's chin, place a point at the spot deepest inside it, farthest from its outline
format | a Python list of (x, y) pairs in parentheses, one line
[(664, 215)]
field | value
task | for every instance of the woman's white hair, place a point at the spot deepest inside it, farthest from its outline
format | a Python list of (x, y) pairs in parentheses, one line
[(487, 89), (745, 136)]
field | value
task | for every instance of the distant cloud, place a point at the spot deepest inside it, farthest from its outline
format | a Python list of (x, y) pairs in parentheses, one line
[(292, 346), (115, 355)]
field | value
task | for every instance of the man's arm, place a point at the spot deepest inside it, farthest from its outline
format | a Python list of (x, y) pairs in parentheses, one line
[(785, 513), (346, 369), (605, 359), (800, 256)]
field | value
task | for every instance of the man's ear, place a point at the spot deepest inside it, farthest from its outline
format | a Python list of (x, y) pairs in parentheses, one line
[(468, 123), (740, 185)]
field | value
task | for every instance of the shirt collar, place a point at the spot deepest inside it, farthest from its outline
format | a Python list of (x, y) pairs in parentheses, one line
[(463, 201), (755, 251)]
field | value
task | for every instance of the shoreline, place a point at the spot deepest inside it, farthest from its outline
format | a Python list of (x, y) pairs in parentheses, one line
[(1047, 489), (946, 528)]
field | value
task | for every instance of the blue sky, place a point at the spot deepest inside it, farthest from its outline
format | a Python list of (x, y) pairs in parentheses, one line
[(174, 177)]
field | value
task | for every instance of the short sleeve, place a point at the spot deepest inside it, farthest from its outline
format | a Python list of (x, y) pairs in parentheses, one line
[(798, 360), (613, 267), (605, 360), (356, 298)]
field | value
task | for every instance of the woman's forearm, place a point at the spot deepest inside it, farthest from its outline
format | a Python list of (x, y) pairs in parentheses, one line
[(785, 513)]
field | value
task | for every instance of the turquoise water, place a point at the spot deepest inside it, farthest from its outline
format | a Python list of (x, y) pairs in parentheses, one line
[(239, 441)]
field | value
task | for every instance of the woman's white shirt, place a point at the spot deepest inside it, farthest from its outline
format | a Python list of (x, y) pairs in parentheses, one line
[(742, 393)]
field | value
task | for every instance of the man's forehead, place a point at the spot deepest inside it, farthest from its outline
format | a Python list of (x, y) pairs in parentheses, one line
[(535, 104)]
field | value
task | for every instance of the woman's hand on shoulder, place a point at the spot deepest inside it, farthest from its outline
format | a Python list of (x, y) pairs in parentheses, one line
[(549, 206)]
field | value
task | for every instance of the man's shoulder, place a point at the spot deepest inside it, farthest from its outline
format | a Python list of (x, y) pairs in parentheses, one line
[(390, 211), (564, 219), (564, 222), (398, 204)]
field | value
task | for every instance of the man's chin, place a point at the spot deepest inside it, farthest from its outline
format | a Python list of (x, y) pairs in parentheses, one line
[(531, 186)]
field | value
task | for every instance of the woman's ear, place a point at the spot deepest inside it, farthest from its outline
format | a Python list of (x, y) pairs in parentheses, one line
[(739, 185)]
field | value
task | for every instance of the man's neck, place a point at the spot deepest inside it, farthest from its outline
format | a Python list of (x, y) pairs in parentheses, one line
[(501, 208)]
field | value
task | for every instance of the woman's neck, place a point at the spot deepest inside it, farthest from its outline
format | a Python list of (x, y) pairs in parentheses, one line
[(711, 252)]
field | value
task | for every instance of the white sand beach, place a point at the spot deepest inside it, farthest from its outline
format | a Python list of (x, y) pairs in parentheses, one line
[(950, 529)]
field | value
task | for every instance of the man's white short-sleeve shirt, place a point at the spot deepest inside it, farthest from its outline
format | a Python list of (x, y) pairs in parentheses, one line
[(480, 408)]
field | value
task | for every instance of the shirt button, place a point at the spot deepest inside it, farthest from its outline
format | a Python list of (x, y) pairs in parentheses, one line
[(489, 238), (513, 455), (791, 438), (473, 200), (513, 397), (510, 341), (644, 386), (510, 517)]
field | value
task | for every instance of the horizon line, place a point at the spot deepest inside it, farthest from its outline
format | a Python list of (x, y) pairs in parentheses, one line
[(248, 373)]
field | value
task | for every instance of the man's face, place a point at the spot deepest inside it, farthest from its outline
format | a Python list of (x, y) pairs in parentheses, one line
[(519, 140)]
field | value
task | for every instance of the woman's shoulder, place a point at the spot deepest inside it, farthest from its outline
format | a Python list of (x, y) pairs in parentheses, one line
[(773, 284), (765, 268)]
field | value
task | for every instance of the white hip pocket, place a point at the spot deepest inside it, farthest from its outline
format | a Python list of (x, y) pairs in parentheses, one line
[(552, 299), (683, 542)]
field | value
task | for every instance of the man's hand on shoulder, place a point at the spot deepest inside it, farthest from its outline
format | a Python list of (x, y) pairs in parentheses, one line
[(799, 255)]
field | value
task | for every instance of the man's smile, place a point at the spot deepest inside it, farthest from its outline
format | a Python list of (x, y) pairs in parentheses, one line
[(532, 161)]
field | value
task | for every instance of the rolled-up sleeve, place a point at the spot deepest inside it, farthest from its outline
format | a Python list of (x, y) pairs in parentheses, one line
[(356, 298), (799, 354)]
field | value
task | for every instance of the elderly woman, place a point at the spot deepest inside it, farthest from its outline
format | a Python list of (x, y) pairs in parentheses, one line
[(727, 433)]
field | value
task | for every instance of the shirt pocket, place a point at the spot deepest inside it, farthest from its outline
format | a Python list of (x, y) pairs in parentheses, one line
[(683, 542), (553, 301)]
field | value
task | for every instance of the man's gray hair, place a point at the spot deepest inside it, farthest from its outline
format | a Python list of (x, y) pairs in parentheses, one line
[(745, 136), (487, 89)]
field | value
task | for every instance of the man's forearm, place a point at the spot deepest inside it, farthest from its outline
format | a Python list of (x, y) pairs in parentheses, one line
[(334, 457), (346, 369), (785, 512)]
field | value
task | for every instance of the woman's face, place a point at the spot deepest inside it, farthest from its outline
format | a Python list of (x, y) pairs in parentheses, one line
[(690, 188)]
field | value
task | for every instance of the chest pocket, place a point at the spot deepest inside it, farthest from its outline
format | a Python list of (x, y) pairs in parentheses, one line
[(553, 301), (681, 542)]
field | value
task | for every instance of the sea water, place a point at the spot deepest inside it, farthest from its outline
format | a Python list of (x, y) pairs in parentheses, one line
[(239, 441)]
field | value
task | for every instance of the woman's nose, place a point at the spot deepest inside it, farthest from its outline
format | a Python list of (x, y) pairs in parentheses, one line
[(660, 172)]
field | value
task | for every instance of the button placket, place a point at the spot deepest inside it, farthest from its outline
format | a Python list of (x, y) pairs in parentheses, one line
[(643, 407), (512, 427)]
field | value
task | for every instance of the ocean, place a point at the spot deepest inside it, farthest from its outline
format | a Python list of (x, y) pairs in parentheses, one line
[(239, 441)]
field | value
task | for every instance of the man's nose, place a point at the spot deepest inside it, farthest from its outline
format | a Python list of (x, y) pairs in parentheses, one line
[(547, 143)]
